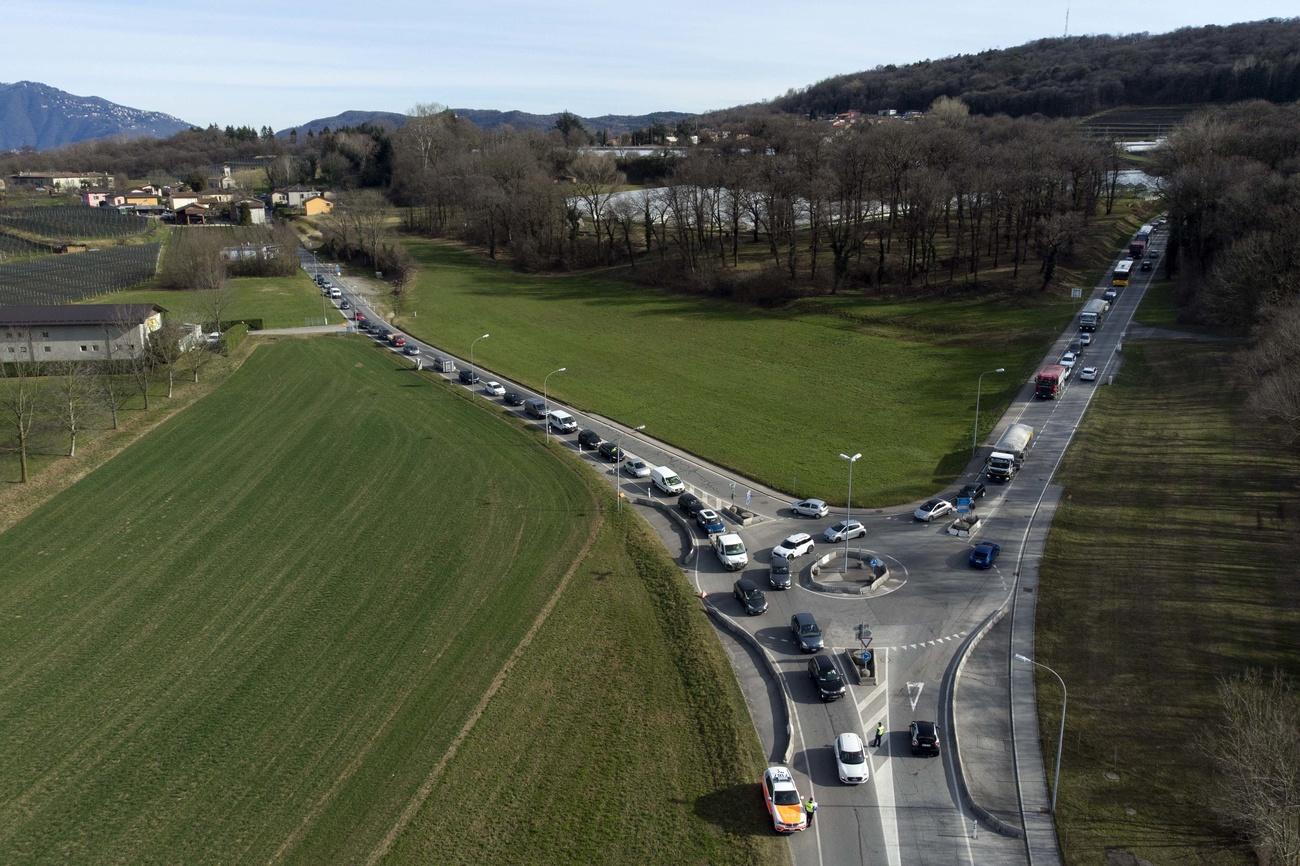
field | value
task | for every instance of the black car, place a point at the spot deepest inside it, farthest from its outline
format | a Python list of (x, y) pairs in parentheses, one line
[(749, 595), (513, 398), (778, 573), (468, 377), (383, 333), (345, 306), (690, 504), (925, 738), (609, 451), (806, 632), (830, 685), (1146, 266), (972, 491), (534, 408), (588, 439)]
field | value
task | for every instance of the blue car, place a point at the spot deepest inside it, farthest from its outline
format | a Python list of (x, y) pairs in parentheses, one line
[(984, 554), (709, 521)]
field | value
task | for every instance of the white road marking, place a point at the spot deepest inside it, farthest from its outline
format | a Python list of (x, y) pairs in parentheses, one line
[(914, 693)]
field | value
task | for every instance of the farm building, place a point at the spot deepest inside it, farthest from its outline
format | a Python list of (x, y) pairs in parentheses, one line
[(178, 200), (62, 179), (316, 205), (77, 332), (193, 214), (255, 209), (294, 196)]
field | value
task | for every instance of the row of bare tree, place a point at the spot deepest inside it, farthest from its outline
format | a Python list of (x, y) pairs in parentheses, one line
[(1232, 182), (40, 398), (940, 200)]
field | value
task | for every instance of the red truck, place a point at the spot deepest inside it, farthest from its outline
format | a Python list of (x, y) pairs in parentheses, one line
[(1049, 381)]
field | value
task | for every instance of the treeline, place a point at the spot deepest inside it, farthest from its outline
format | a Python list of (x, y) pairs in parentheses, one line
[(1080, 75), (936, 202), (1232, 183), (340, 159)]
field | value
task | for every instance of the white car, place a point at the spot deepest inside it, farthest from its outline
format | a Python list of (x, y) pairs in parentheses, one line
[(1068, 359), (851, 759), (784, 805), (843, 530), (1085, 339), (796, 545), (810, 508), (1089, 374), (730, 550), (932, 509), (494, 389)]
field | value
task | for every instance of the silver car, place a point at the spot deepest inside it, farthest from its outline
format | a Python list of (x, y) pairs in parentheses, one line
[(932, 509), (810, 508), (844, 529)]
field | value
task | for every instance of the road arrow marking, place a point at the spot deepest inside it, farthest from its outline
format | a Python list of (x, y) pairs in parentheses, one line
[(914, 693)]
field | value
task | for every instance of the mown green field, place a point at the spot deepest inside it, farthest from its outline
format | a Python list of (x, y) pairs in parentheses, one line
[(253, 635), (775, 394), (280, 302), (1170, 563)]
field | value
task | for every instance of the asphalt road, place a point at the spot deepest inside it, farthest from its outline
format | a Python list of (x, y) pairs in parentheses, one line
[(909, 811)]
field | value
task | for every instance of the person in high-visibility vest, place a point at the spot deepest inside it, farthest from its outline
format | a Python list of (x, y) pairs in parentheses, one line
[(810, 807), (880, 733)]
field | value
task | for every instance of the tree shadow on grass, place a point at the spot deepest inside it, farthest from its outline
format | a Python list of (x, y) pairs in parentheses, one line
[(735, 809)]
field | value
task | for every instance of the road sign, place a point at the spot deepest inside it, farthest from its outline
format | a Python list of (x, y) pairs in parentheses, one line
[(1076, 292), (963, 504)]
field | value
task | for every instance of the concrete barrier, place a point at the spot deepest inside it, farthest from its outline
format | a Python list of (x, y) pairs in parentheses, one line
[(985, 817), (866, 676), (690, 549), (740, 515), (786, 724), (825, 559)]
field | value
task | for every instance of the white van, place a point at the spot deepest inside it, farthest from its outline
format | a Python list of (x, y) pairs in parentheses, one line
[(335, 294), (666, 480), (561, 421), (635, 466)]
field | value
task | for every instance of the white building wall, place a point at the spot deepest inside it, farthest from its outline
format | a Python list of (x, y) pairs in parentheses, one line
[(46, 343)]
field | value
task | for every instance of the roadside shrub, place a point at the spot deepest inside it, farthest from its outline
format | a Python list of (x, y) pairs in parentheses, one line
[(234, 336)]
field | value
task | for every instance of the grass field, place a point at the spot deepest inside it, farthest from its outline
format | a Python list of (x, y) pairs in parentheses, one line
[(280, 302), (255, 634), (1158, 308), (1171, 562), (776, 394)]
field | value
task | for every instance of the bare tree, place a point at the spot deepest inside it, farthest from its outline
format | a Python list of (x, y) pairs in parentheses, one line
[(596, 179), (171, 342), (73, 390), (109, 390), (20, 404), (1256, 754), (214, 304)]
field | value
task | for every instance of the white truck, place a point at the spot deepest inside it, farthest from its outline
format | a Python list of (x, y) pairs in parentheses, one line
[(1009, 453), (730, 550)]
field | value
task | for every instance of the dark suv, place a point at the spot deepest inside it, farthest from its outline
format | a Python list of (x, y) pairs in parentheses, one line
[(925, 738), (690, 504), (749, 595), (830, 685), (972, 491), (806, 632), (468, 377), (609, 451), (778, 573)]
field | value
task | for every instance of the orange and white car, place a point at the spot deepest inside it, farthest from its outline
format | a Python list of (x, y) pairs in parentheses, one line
[(783, 801)]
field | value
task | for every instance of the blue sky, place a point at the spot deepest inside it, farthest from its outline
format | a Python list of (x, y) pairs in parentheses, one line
[(282, 63)]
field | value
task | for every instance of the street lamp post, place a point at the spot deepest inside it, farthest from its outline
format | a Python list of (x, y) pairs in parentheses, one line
[(472, 369), (546, 401), (848, 508), (979, 387), (618, 468), (1060, 737)]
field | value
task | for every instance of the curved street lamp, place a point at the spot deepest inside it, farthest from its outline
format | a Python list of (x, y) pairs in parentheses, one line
[(472, 369), (1060, 738), (975, 432), (848, 507)]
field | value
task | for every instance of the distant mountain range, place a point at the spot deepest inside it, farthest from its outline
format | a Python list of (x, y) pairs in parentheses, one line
[(486, 118), (40, 116)]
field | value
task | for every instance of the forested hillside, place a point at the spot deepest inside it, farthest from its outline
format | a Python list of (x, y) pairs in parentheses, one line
[(1080, 75)]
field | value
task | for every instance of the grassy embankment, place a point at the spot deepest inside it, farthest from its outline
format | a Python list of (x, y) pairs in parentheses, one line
[(775, 394), (1171, 562), (255, 635)]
